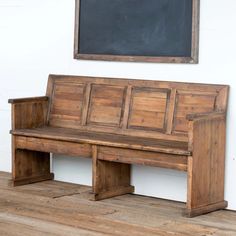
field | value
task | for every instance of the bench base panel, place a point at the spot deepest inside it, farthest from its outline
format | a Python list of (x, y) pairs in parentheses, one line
[(205, 209), (112, 193), (31, 180)]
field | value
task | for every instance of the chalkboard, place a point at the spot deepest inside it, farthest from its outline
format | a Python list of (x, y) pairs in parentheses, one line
[(137, 30)]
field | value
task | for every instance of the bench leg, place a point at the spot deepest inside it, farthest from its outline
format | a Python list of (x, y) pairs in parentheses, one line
[(30, 167), (205, 188), (206, 168), (110, 178)]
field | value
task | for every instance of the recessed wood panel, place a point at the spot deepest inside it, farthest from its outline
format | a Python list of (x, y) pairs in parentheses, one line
[(119, 118), (66, 105), (148, 108), (191, 103), (106, 105)]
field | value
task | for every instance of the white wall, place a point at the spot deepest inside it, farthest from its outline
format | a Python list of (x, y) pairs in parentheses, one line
[(36, 38)]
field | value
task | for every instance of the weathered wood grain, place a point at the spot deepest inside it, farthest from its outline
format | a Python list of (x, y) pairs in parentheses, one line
[(29, 166), (54, 146), (128, 156), (111, 104), (119, 122), (98, 138), (109, 178), (206, 181), (33, 210)]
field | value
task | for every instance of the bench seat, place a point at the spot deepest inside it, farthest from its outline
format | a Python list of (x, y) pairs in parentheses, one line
[(105, 139)]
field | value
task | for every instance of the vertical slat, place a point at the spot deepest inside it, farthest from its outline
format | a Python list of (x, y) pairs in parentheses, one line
[(127, 107), (171, 110), (13, 164), (95, 178), (201, 164), (190, 136), (86, 104), (217, 160), (189, 182)]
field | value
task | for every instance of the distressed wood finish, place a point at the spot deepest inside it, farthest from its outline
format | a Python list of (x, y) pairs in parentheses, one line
[(29, 166), (206, 181), (55, 146), (165, 160), (109, 178), (119, 122), (58, 208), (112, 140)]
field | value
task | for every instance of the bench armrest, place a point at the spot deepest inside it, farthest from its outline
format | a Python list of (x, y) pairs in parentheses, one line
[(203, 116), (29, 112), (205, 126), (29, 99)]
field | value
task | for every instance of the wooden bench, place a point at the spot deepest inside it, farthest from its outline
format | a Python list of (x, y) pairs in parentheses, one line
[(119, 122)]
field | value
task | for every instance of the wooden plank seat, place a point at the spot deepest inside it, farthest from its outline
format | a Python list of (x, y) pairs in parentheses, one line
[(120, 122), (111, 140)]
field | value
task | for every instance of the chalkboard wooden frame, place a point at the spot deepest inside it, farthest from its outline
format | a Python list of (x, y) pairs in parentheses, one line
[(193, 59)]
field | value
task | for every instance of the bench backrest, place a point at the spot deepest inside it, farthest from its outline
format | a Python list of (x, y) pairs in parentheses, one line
[(142, 108)]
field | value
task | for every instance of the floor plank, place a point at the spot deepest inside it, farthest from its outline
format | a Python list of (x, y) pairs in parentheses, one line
[(58, 208), (19, 225)]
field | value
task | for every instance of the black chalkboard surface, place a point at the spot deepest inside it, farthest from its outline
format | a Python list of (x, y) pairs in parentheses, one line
[(137, 30)]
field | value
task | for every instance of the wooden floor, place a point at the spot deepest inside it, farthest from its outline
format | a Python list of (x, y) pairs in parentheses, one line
[(57, 208)]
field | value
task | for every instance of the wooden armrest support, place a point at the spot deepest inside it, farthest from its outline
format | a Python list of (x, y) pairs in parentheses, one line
[(29, 112), (201, 120), (206, 166), (203, 116), (29, 99)]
